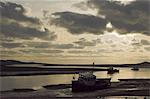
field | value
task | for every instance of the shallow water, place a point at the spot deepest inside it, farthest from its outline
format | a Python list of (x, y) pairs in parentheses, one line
[(37, 81)]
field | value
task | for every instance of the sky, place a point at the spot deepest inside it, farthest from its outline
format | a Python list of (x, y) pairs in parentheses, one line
[(75, 31)]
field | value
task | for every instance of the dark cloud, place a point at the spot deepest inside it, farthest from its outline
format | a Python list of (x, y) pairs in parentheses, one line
[(141, 43), (79, 23), (38, 44), (147, 48), (117, 50), (2, 38), (16, 12), (80, 51), (11, 45), (41, 51), (136, 44), (84, 42), (65, 46), (133, 17), (113, 45), (15, 30), (109, 41), (104, 50), (9, 53), (145, 42), (52, 45)]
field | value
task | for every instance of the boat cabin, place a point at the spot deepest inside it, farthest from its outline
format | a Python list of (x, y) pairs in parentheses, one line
[(87, 78), (87, 82)]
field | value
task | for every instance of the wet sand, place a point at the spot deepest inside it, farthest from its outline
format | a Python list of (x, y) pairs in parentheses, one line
[(123, 88)]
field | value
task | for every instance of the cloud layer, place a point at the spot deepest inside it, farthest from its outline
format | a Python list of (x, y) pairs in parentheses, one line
[(16, 12), (92, 32), (15, 24), (133, 17), (77, 23), (83, 42)]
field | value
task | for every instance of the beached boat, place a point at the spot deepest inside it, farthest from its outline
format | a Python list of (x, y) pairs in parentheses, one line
[(135, 68), (111, 70), (88, 82)]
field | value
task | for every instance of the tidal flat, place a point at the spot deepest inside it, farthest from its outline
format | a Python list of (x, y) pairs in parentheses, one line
[(131, 87)]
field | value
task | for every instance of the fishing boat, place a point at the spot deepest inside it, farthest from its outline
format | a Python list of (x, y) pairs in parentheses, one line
[(111, 70), (87, 81), (135, 68)]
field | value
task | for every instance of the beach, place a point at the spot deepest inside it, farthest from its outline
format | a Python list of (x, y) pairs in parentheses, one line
[(131, 87)]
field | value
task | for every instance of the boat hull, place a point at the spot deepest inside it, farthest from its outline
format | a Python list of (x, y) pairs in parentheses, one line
[(112, 71), (135, 69), (99, 84)]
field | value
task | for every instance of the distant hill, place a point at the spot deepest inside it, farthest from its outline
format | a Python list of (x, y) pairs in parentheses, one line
[(144, 64), (8, 68), (12, 62)]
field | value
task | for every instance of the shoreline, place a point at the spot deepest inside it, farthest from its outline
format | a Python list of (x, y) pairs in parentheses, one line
[(15, 62), (18, 71), (5, 74), (132, 87), (29, 71)]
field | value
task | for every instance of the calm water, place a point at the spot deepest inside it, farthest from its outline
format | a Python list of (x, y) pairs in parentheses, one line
[(10, 82)]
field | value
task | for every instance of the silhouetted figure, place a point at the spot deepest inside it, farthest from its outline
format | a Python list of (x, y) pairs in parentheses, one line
[(73, 78)]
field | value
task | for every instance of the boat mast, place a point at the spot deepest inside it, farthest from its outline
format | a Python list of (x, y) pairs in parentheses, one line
[(93, 66)]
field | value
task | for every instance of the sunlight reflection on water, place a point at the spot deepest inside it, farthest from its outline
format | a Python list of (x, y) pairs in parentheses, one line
[(36, 81)]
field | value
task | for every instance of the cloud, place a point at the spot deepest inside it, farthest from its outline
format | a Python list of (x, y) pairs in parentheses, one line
[(147, 48), (16, 12), (113, 45), (104, 50), (8, 53), (63, 46), (15, 30), (52, 45), (80, 51), (117, 50), (12, 16), (79, 23), (136, 44), (84, 42), (141, 42), (145, 42), (82, 5), (41, 51), (133, 17), (66, 46), (11, 45), (38, 44)]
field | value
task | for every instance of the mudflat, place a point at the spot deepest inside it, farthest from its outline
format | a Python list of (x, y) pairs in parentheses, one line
[(131, 87)]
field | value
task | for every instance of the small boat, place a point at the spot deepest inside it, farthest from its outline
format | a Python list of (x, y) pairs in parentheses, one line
[(135, 68), (111, 70), (87, 82)]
